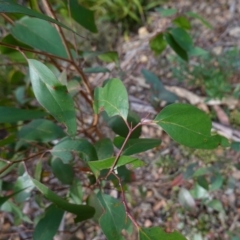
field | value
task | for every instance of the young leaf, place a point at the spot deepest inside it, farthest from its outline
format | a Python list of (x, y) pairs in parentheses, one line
[(66, 149), (82, 212), (156, 233), (134, 146), (41, 130), (52, 95), (114, 218), (39, 34), (83, 16), (48, 225), (7, 6), (64, 172), (182, 22), (113, 98), (10, 114), (104, 148), (99, 165), (182, 38), (188, 126), (158, 43), (176, 47), (118, 125)]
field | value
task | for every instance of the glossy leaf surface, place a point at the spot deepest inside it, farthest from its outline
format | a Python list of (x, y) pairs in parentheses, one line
[(10, 114), (39, 34), (68, 148), (99, 165), (134, 146), (188, 126), (182, 38), (83, 16), (176, 47), (52, 95), (113, 98), (41, 130), (82, 212), (48, 225), (113, 219), (156, 233)]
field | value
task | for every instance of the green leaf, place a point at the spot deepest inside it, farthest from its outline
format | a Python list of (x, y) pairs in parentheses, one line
[(114, 218), (24, 186), (118, 125), (134, 146), (176, 47), (41, 130), (113, 98), (52, 95), (182, 38), (10, 114), (216, 205), (195, 15), (82, 212), (5, 198), (96, 70), (104, 148), (235, 146), (11, 7), (64, 172), (68, 148), (159, 92), (186, 200), (47, 227), (182, 22), (109, 57), (197, 51), (216, 182), (76, 192), (99, 165), (167, 12), (83, 16), (188, 126), (158, 43), (156, 233), (39, 34), (202, 181)]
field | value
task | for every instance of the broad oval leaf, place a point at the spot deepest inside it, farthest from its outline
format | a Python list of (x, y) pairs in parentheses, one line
[(41, 130), (104, 148), (176, 47), (186, 200), (11, 7), (64, 172), (113, 98), (134, 146), (47, 227), (39, 34), (83, 16), (182, 22), (113, 219), (118, 125), (158, 43), (67, 148), (82, 212), (97, 166), (188, 126), (156, 233), (10, 114), (52, 95), (182, 38), (109, 57)]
